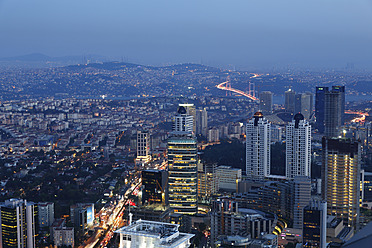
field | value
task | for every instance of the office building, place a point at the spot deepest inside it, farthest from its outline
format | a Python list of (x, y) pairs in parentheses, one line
[(46, 213), (314, 231), (341, 90), (153, 212), (285, 198), (190, 110), (301, 190), (63, 236), (201, 121), (320, 107), (143, 147), (258, 144), (298, 147), (228, 177), (330, 110), (82, 215), (18, 224), (144, 233), (183, 220), (182, 168), (341, 178), (154, 187), (207, 180), (289, 103), (266, 102), (304, 104), (332, 114), (183, 122), (228, 218)]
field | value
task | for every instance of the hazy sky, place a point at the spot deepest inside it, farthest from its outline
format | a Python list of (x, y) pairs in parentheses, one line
[(238, 32)]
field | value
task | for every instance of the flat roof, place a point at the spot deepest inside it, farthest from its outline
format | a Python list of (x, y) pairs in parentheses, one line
[(167, 233)]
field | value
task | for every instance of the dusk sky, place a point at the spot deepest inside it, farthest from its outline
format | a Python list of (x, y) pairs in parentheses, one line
[(231, 32)]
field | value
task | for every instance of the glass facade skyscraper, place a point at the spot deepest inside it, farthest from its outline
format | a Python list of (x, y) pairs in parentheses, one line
[(330, 110), (341, 178), (182, 168), (319, 107)]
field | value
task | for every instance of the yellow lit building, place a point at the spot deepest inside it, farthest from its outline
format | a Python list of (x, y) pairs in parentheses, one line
[(341, 178), (182, 167)]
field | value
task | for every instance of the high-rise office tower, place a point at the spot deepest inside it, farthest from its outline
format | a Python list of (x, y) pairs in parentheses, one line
[(190, 110), (182, 168), (319, 107), (18, 224), (332, 113), (289, 104), (301, 190), (154, 187), (298, 147), (314, 230), (341, 89), (202, 122), (143, 147), (266, 102), (330, 110), (304, 104), (258, 143), (183, 122), (341, 178)]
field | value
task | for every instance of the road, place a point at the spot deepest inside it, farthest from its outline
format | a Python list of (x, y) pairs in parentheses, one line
[(111, 218)]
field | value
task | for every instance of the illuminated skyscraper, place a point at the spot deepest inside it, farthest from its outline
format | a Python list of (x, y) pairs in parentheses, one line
[(341, 178), (154, 187), (143, 147), (182, 167), (298, 147), (18, 224), (258, 147)]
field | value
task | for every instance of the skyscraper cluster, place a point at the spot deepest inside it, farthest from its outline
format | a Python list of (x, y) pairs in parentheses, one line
[(258, 147), (299, 103)]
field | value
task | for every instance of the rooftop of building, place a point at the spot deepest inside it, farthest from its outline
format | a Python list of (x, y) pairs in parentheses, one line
[(363, 238), (151, 207), (167, 233)]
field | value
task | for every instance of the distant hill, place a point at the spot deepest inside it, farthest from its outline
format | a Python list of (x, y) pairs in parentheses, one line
[(178, 68), (29, 57), (42, 60)]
